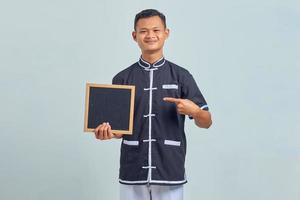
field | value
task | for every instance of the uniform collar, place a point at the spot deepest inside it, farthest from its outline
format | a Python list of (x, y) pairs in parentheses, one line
[(144, 64)]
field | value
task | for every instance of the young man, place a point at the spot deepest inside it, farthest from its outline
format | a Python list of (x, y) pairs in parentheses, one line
[(152, 159)]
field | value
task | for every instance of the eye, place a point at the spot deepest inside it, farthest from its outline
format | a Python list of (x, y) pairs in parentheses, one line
[(142, 31), (156, 30)]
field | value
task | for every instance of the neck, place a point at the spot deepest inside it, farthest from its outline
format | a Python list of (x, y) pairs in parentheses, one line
[(152, 57)]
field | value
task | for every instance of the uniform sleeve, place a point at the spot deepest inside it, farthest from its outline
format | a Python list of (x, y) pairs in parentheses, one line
[(191, 91)]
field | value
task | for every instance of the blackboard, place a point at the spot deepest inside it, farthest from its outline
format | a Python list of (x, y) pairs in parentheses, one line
[(109, 103)]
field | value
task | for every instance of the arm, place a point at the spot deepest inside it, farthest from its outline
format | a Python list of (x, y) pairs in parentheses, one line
[(187, 107), (202, 118)]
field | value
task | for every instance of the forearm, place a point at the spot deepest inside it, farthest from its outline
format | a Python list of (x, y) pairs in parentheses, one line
[(202, 118)]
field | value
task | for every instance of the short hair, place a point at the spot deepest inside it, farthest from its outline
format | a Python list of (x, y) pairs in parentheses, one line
[(149, 13)]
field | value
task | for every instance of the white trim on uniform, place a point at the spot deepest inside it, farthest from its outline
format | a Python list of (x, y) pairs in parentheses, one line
[(149, 115), (205, 106), (153, 181), (131, 142), (149, 167), (172, 142), (170, 86), (149, 65), (152, 140), (168, 182), (150, 127), (133, 182), (145, 63), (150, 89), (154, 65)]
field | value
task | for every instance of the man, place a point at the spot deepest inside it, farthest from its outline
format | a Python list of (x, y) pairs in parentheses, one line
[(152, 159)]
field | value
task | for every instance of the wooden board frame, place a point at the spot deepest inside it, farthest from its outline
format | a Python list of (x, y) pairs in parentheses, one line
[(132, 97)]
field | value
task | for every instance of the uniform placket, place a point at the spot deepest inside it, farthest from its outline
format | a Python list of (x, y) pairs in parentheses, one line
[(150, 115)]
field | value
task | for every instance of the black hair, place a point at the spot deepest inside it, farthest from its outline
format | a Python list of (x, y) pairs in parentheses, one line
[(149, 13)]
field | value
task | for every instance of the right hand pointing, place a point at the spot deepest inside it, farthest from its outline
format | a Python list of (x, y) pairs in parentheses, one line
[(104, 132)]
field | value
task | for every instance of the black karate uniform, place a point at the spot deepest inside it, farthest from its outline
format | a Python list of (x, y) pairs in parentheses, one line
[(155, 153)]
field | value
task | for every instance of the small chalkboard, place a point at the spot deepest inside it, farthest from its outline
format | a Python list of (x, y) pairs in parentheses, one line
[(109, 103)]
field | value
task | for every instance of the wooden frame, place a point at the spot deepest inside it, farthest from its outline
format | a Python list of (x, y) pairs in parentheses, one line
[(113, 90)]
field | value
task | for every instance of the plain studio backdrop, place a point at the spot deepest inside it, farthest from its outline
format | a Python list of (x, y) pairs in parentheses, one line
[(244, 56)]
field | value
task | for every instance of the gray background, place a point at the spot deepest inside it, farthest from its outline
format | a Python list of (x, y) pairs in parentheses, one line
[(243, 54)]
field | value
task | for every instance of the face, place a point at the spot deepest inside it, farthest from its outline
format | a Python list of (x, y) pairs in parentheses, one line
[(150, 34)]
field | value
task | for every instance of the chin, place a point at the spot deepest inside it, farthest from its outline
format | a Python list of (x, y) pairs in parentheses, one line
[(153, 48)]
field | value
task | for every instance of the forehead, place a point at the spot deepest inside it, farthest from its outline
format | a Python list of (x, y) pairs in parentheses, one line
[(149, 22)]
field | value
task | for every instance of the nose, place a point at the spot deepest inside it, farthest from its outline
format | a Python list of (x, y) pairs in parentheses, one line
[(150, 34)]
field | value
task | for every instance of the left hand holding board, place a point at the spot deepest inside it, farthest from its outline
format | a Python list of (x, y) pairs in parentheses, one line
[(104, 132)]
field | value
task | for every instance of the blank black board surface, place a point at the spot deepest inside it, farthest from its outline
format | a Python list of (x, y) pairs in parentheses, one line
[(109, 103)]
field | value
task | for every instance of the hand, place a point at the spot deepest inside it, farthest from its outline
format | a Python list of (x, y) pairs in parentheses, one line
[(184, 106), (104, 132)]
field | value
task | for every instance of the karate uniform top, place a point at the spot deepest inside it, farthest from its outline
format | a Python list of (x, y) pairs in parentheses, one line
[(155, 152)]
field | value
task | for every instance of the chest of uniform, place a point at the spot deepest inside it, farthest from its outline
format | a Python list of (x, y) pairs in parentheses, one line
[(158, 83)]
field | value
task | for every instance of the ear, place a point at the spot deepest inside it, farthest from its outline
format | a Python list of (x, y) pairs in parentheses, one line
[(167, 32), (133, 35)]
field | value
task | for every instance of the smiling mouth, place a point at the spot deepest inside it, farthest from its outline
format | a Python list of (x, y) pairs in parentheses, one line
[(150, 42)]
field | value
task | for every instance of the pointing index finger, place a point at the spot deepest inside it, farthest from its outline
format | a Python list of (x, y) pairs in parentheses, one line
[(171, 100)]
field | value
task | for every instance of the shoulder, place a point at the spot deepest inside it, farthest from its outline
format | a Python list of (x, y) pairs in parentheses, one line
[(181, 72), (126, 71), (177, 68), (122, 75)]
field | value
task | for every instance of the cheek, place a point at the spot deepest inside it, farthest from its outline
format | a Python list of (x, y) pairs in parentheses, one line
[(139, 39), (162, 37), (140, 42)]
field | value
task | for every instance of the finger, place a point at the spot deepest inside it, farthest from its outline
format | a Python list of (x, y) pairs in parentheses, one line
[(105, 132), (109, 132), (101, 131), (97, 131), (172, 100), (100, 134)]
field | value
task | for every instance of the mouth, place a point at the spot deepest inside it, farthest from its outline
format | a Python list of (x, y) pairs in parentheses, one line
[(151, 42)]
